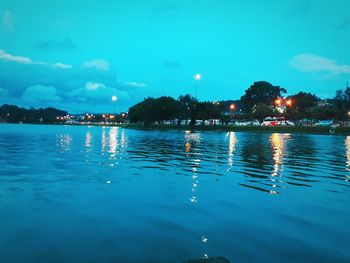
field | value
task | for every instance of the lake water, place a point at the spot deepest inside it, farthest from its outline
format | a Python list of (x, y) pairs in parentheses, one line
[(94, 194)]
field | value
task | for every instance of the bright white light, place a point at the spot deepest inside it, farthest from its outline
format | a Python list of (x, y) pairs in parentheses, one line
[(197, 76), (114, 98)]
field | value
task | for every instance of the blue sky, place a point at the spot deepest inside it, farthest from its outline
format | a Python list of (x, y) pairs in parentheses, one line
[(76, 54)]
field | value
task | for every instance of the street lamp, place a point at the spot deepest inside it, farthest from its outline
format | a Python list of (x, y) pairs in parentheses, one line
[(232, 111), (197, 77)]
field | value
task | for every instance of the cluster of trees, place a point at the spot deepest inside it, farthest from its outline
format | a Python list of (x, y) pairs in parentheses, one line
[(186, 107), (258, 102), (15, 114), (342, 99)]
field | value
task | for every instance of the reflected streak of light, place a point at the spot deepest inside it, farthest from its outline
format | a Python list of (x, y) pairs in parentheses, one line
[(195, 137), (231, 147), (347, 147), (65, 141), (88, 139), (191, 138), (187, 147), (113, 141), (193, 199), (103, 140), (277, 142), (122, 140)]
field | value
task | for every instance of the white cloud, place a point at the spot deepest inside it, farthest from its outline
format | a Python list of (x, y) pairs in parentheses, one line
[(98, 64), (8, 57), (40, 94), (315, 64), (133, 83), (96, 92), (79, 86), (90, 85), (60, 65), (24, 60), (7, 20)]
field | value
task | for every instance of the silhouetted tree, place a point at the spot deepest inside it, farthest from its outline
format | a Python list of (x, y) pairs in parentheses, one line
[(342, 99), (15, 114), (209, 110), (303, 100), (261, 111), (167, 108), (154, 109), (189, 108), (261, 92)]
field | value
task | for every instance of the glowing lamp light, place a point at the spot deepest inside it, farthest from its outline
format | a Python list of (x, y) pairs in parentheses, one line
[(197, 76), (114, 98), (232, 106), (289, 102), (278, 101)]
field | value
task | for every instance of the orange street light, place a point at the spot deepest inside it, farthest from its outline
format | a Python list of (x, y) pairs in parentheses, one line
[(232, 106), (278, 102), (289, 102)]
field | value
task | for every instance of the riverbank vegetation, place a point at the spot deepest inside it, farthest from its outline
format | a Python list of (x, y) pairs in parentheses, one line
[(15, 114), (262, 99)]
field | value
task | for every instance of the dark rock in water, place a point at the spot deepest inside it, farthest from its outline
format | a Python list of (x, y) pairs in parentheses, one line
[(208, 260)]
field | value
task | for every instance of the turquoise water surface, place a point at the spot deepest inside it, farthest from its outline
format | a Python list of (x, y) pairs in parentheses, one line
[(99, 194)]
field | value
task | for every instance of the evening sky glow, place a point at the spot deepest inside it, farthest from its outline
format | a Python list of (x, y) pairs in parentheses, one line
[(76, 55)]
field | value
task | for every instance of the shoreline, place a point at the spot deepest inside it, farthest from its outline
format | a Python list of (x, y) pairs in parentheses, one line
[(256, 129)]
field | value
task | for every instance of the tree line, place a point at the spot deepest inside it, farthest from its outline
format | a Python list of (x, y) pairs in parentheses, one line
[(262, 99), (15, 114)]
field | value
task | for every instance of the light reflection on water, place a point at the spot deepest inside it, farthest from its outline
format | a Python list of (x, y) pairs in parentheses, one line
[(347, 144), (231, 148), (128, 195)]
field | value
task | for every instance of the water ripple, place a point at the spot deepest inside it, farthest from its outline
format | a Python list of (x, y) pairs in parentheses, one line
[(236, 191)]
